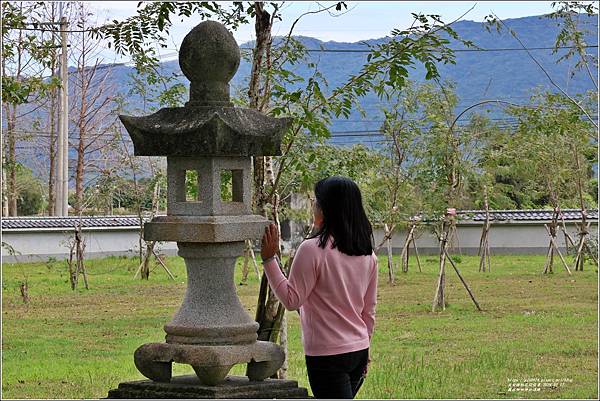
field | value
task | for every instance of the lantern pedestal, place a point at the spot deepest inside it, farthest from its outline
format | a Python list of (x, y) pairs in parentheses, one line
[(234, 387)]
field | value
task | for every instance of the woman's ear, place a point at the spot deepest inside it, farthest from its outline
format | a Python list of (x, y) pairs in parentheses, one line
[(317, 216)]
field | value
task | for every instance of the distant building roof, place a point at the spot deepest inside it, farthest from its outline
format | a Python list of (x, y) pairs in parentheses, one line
[(45, 222), (68, 222), (526, 215)]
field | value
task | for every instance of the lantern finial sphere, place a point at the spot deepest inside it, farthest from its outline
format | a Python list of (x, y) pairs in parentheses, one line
[(209, 53)]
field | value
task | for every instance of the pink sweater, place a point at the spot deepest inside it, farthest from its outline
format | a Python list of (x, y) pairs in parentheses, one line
[(336, 294)]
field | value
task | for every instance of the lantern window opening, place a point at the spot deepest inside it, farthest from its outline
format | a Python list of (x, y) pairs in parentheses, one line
[(232, 189), (192, 186)]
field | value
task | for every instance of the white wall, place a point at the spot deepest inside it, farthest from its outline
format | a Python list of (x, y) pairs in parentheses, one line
[(505, 238), (35, 245)]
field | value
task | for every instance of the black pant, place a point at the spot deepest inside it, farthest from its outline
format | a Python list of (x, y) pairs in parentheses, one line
[(337, 376)]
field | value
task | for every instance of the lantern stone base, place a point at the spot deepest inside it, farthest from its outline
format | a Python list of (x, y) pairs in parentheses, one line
[(211, 363), (190, 387)]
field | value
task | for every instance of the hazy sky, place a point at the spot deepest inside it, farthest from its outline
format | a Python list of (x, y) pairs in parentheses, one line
[(364, 20)]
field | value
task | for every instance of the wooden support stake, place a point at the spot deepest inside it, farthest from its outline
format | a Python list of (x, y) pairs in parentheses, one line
[(547, 261), (557, 250), (253, 257), (439, 300), (163, 264), (463, 281), (416, 253)]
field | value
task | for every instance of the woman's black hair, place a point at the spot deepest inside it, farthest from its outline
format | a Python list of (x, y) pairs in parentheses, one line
[(344, 217)]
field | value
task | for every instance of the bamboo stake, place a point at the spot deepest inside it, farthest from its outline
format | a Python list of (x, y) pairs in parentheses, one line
[(488, 252), (566, 234), (80, 260), (405, 249), (245, 264), (579, 259)]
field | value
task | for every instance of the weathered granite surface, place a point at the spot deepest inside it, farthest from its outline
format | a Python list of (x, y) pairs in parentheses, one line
[(154, 360), (189, 387), (208, 125), (211, 229), (206, 131), (211, 331), (209, 202), (211, 312), (209, 57)]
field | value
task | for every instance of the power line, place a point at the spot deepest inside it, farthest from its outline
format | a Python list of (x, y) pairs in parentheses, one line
[(333, 50), (454, 50)]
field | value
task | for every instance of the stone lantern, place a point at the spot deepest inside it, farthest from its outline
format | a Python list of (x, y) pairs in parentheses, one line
[(211, 331)]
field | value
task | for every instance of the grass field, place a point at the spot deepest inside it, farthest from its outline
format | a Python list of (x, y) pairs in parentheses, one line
[(80, 344)]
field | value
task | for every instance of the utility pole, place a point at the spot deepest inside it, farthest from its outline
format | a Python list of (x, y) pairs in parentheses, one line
[(62, 187)]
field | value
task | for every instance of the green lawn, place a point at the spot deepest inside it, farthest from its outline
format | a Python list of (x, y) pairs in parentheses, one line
[(66, 344)]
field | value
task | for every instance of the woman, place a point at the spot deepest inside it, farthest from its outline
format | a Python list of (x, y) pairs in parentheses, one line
[(333, 283)]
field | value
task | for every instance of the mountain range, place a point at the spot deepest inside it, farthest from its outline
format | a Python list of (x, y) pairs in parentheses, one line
[(504, 71)]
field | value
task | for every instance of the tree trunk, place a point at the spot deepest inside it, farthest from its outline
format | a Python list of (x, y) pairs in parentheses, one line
[(439, 301), (283, 341), (79, 173), (484, 246), (4, 187), (262, 27), (11, 161), (388, 245), (583, 231), (245, 269), (80, 255)]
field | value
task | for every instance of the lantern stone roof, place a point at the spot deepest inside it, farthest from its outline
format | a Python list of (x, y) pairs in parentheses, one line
[(206, 131), (208, 124)]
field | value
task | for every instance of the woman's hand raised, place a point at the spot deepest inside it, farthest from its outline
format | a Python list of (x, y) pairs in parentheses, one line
[(270, 242)]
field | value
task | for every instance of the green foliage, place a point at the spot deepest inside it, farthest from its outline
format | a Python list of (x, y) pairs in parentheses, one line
[(30, 192), (535, 166), (310, 102), (141, 33), (26, 55), (192, 185), (572, 35)]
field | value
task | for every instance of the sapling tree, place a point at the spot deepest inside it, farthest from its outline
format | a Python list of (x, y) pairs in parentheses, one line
[(402, 128), (443, 175), (551, 132)]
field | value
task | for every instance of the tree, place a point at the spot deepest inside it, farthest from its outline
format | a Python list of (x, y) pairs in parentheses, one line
[(25, 58), (551, 132), (442, 175), (30, 193), (394, 183), (569, 34), (91, 104)]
